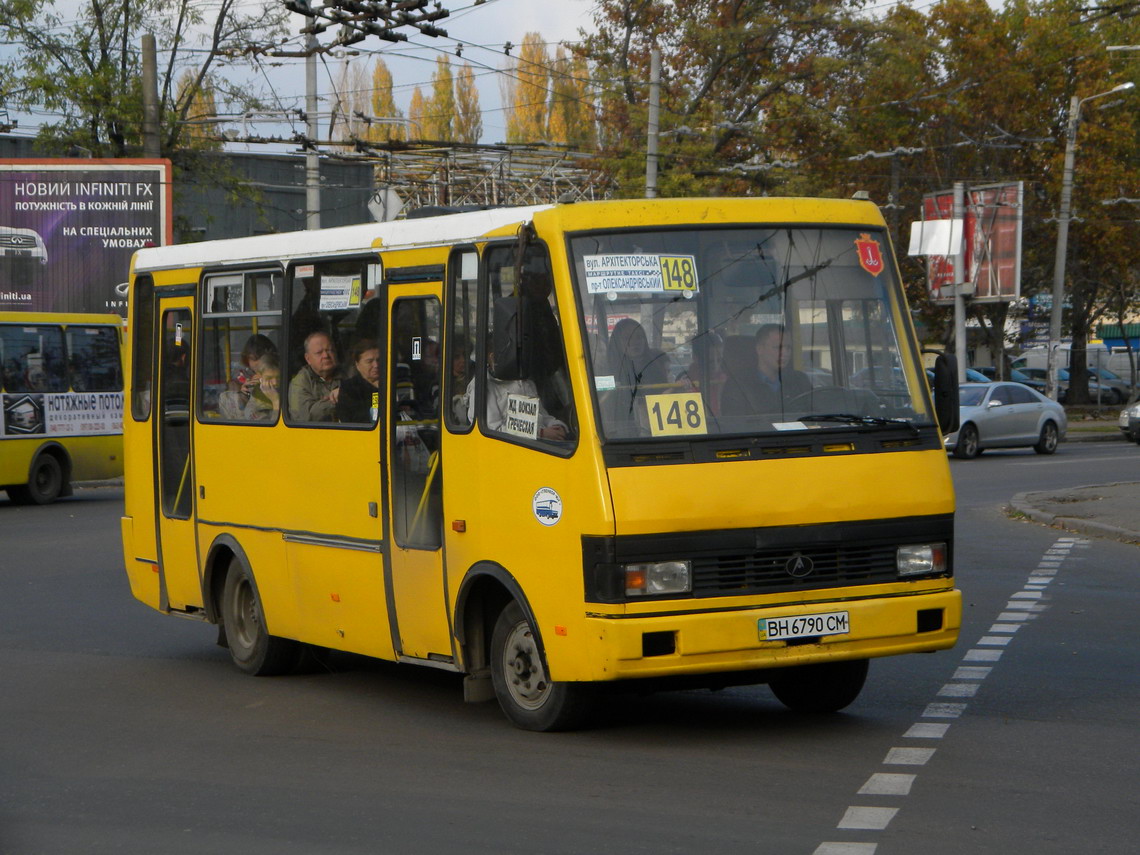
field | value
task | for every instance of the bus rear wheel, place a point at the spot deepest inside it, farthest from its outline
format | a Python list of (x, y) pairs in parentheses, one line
[(527, 696), (252, 648), (45, 483), (824, 688)]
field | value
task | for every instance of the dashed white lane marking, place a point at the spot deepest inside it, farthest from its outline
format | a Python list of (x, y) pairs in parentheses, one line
[(908, 756), (887, 784), (943, 710), (1024, 605), (868, 818), (978, 655), (846, 849), (972, 672), (926, 730), (959, 690)]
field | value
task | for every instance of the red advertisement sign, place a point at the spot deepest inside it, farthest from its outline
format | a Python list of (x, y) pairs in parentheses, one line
[(992, 239)]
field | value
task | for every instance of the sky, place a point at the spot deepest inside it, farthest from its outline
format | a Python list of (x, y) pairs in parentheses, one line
[(479, 29)]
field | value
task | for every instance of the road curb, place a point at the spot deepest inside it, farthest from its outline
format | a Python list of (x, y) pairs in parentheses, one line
[(1022, 503)]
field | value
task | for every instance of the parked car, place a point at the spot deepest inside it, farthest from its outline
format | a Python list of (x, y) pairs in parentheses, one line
[(972, 376), (1112, 380), (1130, 422), (1005, 415), (1108, 395)]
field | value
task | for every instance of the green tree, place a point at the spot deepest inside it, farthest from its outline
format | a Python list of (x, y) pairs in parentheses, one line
[(83, 64), (727, 64)]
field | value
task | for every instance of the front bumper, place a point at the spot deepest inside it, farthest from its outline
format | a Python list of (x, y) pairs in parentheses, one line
[(683, 644)]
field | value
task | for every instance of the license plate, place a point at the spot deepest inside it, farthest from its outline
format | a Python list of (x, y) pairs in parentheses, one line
[(803, 626)]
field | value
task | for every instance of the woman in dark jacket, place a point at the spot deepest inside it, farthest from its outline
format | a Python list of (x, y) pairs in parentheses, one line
[(359, 401)]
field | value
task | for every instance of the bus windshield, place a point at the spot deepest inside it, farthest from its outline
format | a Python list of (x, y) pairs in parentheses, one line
[(745, 331)]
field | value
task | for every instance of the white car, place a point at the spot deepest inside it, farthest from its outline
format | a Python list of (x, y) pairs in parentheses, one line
[(1130, 422), (1005, 415)]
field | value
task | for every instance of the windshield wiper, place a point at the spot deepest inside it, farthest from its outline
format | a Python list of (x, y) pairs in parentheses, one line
[(853, 418)]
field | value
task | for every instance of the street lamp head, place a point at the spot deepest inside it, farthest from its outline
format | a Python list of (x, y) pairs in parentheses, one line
[(1122, 87)]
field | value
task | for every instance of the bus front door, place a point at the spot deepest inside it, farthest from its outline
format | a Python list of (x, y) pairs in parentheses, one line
[(178, 567), (415, 578)]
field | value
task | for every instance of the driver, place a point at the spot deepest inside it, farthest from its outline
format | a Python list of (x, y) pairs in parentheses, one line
[(774, 356)]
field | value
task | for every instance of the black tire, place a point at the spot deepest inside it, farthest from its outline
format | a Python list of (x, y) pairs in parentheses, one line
[(1047, 444), (45, 483), (967, 447), (252, 648), (528, 698), (824, 688)]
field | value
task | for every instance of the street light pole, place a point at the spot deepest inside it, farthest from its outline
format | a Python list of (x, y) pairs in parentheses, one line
[(1051, 386)]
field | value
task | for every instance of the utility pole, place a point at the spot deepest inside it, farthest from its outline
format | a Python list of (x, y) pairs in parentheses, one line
[(312, 162), (152, 145), (654, 121), (959, 282)]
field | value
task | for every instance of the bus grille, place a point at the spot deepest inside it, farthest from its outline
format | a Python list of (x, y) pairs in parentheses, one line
[(771, 570)]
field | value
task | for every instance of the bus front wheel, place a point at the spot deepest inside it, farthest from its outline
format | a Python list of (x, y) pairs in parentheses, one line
[(251, 646), (45, 483), (824, 688), (526, 694)]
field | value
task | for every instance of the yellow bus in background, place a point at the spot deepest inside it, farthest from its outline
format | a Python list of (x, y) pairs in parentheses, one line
[(532, 446), (61, 402)]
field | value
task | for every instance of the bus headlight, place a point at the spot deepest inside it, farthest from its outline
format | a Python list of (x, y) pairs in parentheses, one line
[(921, 559), (661, 577)]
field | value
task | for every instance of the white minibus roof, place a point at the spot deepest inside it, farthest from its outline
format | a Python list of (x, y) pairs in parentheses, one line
[(425, 231)]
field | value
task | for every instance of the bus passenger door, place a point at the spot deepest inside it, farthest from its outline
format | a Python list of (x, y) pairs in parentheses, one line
[(418, 597), (177, 553)]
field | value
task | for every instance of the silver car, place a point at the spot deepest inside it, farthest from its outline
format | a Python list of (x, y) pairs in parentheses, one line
[(1005, 415)]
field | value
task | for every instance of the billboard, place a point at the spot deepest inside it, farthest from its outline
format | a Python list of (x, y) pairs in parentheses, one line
[(68, 229), (992, 240)]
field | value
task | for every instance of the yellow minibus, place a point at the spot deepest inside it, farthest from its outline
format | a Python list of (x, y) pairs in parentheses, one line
[(674, 441), (61, 402)]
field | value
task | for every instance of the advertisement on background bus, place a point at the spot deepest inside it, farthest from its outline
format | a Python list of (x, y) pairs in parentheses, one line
[(69, 227)]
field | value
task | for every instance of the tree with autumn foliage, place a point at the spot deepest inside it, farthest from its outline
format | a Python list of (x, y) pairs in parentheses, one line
[(526, 92), (468, 124)]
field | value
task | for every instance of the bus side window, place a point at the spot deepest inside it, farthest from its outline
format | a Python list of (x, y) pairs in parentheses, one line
[(240, 364), (525, 363), (332, 319), (459, 379), (93, 356)]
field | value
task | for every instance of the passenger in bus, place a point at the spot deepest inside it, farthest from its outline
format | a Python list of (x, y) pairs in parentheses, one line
[(265, 398), (704, 373), (314, 390), (761, 380), (233, 400), (632, 361), (359, 400), (499, 394), (462, 373)]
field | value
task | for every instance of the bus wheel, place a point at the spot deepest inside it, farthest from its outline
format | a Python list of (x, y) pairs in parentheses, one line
[(45, 483), (824, 688), (527, 696), (252, 648)]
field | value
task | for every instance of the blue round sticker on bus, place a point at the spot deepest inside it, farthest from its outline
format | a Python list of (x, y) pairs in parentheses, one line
[(547, 506)]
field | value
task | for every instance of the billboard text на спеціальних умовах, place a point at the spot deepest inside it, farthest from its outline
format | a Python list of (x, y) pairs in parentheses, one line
[(68, 229)]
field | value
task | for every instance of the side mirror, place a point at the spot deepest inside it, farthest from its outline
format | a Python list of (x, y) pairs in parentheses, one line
[(945, 392)]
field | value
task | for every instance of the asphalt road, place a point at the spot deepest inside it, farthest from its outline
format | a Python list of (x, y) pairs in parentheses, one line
[(127, 731)]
